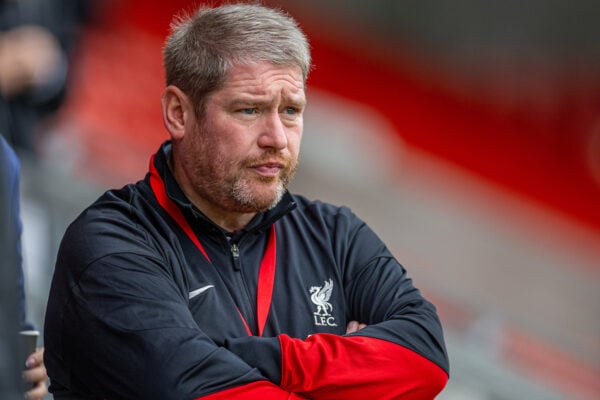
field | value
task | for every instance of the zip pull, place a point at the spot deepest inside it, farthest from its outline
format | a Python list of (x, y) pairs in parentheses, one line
[(235, 252)]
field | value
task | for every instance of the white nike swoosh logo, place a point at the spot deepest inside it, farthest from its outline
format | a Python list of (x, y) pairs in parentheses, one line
[(196, 292)]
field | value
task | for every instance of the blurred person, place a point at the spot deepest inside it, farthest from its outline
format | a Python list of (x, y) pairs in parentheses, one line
[(36, 38), (34, 375), (208, 279)]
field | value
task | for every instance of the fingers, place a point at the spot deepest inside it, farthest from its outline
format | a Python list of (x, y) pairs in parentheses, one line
[(37, 392), (354, 326), (35, 376), (35, 359)]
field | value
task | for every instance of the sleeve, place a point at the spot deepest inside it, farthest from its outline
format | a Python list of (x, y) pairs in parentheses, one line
[(126, 332), (399, 355), (11, 168)]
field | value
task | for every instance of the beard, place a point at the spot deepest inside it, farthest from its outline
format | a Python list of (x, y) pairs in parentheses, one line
[(232, 185), (252, 193)]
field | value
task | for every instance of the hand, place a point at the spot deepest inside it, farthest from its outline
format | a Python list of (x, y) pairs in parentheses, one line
[(35, 375), (29, 55), (354, 326)]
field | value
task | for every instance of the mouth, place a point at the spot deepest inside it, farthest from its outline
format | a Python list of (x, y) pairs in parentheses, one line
[(268, 169)]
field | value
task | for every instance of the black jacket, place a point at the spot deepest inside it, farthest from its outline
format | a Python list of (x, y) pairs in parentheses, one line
[(136, 310)]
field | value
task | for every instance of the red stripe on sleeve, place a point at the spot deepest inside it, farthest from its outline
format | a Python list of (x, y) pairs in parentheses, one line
[(262, 390), (327, 366)]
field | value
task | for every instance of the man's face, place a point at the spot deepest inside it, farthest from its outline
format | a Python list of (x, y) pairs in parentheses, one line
[(243, 152)]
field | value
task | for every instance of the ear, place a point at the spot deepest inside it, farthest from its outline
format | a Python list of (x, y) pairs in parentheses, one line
[(177, 111)]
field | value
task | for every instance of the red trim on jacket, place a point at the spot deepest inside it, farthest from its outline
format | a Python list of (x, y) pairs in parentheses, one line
[(326, 366)]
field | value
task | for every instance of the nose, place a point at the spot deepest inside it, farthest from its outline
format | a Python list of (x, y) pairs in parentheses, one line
[(274, 134)]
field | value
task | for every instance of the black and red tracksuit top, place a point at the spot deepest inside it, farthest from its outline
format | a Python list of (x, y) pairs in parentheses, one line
[(151, 300)]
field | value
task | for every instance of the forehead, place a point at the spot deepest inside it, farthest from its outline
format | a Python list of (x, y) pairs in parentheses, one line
[(264, 78)]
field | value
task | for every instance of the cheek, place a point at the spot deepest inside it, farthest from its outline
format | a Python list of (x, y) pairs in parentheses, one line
[(227, 154), (294, 140)]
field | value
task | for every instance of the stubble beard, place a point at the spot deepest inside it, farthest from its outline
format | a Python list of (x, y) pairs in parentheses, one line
[(243, 191), (250, 198)]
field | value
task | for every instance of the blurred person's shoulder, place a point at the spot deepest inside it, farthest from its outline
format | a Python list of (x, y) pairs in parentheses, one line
[(9, 162)]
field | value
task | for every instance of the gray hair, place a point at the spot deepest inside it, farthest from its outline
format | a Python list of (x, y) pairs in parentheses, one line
[(200, 49)]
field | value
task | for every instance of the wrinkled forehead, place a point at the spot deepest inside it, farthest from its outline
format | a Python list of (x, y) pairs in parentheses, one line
[(263, 77)]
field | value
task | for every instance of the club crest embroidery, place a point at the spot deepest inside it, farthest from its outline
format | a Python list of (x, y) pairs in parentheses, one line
[(320, 296)]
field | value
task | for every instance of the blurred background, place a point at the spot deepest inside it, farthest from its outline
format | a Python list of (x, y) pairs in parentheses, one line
[(466, 133)]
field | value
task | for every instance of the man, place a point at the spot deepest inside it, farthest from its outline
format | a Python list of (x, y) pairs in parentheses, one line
[(34, 376), (208, 279)]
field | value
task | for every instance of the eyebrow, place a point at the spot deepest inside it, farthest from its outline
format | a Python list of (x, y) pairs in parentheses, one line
[(260, 100), (299, 101)]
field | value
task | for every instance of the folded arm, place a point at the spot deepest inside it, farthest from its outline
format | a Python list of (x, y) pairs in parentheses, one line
[(126, 332), (399, 355)]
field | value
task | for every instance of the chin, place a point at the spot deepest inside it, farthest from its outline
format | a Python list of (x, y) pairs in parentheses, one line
[(269, 202), (258, 201)]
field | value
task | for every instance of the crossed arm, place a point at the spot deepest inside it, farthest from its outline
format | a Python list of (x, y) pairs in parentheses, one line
[(122, 328), (149, 346), (399, 355)]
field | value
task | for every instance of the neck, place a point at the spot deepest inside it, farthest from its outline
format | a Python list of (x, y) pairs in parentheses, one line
[(230, 221)]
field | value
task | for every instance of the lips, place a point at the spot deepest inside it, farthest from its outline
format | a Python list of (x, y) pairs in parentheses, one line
[(268, 168)]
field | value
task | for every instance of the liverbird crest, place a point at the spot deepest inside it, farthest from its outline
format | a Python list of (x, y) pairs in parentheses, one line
[(320, 295)]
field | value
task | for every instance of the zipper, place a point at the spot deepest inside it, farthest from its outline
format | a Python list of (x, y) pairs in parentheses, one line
[(235, 255)]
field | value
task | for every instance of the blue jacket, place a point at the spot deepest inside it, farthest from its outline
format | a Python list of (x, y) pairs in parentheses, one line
[(152, 300), (10, 167)]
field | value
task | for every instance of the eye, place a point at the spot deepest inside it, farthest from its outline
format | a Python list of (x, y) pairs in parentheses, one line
[(291, 110), (249, 111)]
